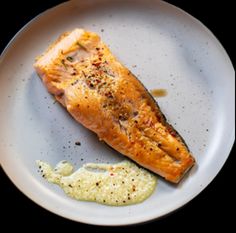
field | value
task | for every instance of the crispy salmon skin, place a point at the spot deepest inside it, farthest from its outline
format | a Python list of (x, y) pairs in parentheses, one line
[(104, 96)]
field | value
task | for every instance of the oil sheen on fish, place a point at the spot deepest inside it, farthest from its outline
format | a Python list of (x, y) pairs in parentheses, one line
[(104, 96)]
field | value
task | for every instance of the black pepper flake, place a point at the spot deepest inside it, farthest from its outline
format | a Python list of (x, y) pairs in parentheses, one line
[(78, 143), (123, 117), (151, 149), (177, 149), (63, 62), (104, 201), (135, 113), (70, 185), (75, 82), (70, 59), (102, 30)]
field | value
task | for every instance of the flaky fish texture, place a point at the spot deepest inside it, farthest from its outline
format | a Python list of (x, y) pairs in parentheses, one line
[(105, 97)]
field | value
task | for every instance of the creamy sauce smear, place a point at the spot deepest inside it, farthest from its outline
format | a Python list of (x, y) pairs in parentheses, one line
[(116, 184)]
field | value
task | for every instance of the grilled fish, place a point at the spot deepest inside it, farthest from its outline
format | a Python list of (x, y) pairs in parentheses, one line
[(105, 97)]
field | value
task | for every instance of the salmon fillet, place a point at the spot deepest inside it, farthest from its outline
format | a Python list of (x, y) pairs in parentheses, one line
[(105, 97)]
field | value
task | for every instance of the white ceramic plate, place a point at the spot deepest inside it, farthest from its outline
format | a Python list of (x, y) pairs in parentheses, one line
[(171, 49)]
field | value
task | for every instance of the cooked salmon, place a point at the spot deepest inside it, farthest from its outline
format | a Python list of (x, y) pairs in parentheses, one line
[(105, 97)]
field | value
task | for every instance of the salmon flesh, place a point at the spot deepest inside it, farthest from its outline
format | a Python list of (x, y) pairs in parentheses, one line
[(105, 97)]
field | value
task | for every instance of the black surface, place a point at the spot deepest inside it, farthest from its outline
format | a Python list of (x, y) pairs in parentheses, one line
[(211, 208)]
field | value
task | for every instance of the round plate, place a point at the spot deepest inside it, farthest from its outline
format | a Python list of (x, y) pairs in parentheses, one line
[(165, 48)]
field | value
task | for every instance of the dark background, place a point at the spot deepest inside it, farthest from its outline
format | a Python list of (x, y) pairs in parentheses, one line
[(212, 208)]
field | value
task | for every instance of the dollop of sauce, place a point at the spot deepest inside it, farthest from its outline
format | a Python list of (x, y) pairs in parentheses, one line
[(159, 92), (111, 184)]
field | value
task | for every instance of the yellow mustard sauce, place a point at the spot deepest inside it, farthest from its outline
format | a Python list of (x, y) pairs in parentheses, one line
[(111, 184)]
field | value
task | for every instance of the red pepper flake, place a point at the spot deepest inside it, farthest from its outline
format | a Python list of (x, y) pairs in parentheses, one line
[(111, 174), (98, 64), (173, 133), (109, 94)]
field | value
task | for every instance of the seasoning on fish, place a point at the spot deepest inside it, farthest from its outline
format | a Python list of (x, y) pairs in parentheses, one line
[(104, 96)]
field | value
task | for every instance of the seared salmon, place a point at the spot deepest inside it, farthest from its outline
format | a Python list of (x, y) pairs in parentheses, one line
[(104, 96)]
